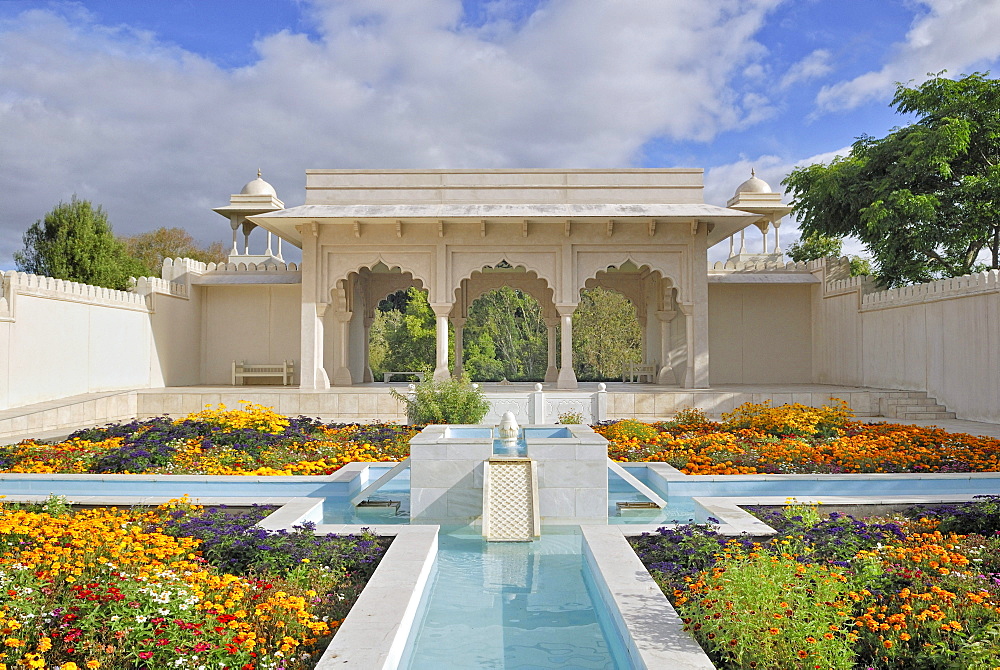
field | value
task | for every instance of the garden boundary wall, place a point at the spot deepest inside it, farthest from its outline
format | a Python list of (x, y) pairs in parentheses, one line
[(61, 338), (942, 337)]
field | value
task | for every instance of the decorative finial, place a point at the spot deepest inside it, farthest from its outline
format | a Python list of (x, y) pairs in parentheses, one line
[(258, 173), (753, 173)]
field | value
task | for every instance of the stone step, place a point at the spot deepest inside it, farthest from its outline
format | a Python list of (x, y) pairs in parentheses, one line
[(937, 416), (919, 407), (909, 399)]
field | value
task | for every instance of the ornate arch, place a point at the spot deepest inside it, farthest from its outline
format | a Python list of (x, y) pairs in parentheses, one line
[(544, 263), (339, 266), (670, 266), (542, 292)]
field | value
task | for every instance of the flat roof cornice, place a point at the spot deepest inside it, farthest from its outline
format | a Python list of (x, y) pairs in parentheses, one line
[(724, 222)]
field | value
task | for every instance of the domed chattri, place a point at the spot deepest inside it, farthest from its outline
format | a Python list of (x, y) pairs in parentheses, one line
[(753, 185), (258, 187)]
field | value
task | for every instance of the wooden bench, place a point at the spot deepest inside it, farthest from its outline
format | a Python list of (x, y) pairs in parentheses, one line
[(636, 372), (284, 370), (388, 375)]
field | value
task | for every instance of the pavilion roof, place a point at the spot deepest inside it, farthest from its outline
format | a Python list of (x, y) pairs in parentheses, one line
[(723, 221)]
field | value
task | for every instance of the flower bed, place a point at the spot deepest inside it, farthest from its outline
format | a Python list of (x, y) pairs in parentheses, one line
[(253, 440), (796, 439), (840, 593), (175, 587), (753, 439)]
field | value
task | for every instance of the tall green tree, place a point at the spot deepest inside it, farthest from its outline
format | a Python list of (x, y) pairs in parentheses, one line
[(403, 339), (75, 241), (924, 199), (606, 335), (505, 337), (151, 248)]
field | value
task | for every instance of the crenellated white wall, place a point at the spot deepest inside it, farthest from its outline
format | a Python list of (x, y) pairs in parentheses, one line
[(942, 337), (766, 325), (60, 338)]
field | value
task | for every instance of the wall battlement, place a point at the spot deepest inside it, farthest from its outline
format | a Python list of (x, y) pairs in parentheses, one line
[(48, 287), (175, 268), (942, 289), (790, 266), (148, 285), (252, 267)]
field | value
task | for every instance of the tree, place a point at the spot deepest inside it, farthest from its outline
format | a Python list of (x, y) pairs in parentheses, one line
[(816, 245), (403, 339), (75, 242), (925, 199), (505, 337), (151, 248), (606, 334)]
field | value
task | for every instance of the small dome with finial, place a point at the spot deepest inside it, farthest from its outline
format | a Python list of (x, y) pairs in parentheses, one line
[(258, 187), (753, 185)]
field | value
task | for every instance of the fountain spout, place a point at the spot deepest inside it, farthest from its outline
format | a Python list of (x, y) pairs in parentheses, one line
[(507, 431)]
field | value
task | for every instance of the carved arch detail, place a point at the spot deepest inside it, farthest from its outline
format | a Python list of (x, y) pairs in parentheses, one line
[(339, 266), (544, 263), (670, 265)]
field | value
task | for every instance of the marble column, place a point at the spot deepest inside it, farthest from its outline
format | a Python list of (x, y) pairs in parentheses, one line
[(441, 311), (665, 375), (312, 374), (459, 324), (567, 377), (342, 349), (551, 371), (687, 310), (368, 376)]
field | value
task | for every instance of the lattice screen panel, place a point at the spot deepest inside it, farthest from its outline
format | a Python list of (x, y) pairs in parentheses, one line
[(510, 505)]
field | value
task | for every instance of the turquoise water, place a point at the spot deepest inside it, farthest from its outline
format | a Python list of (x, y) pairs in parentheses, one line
[(340, 510), (680, 509), (512, 605), (546, 433)]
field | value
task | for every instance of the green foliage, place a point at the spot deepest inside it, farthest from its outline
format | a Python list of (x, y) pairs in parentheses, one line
[(450, 401), (570, 417), (812, 246), (925, 199), (815, 245), (75, 242), (606, 335), (505, 337), (404, 334), (748, 588), (53, 504), (151, 248)]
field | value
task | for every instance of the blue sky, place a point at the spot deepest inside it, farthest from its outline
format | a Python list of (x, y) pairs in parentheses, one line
[(159, 110)]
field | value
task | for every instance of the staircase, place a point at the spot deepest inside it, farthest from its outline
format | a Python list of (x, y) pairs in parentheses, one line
[(907, 405), (510, 500)]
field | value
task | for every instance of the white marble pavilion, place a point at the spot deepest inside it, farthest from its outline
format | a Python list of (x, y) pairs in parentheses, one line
[(457, 234)]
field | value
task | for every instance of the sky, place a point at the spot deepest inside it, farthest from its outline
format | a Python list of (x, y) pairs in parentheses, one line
[(158, 111)]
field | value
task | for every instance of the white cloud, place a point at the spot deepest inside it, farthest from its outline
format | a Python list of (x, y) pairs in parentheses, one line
[(159, 135), (953, 34), (812, 66)]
